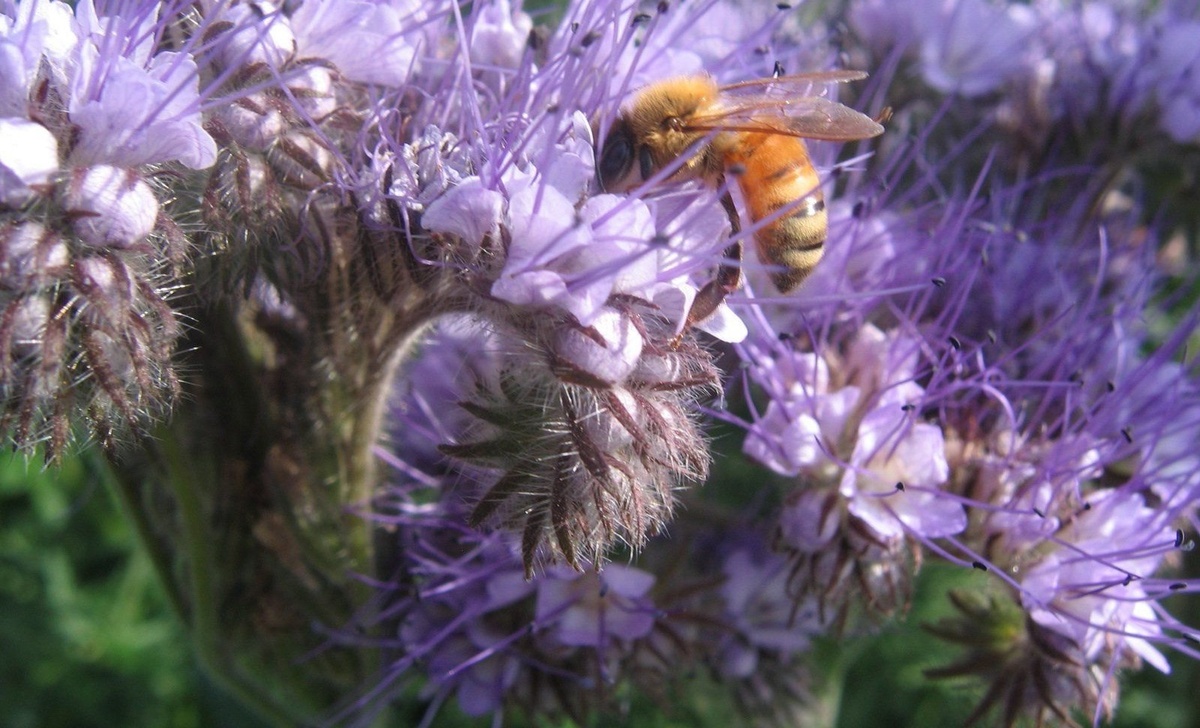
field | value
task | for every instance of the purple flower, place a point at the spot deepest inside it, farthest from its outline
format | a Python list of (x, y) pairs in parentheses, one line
[(28, 161), (1092, 51), (559, 257), (1083, 589), (894, 466), (954, 56), (260, 33), (38, 31), (134, 106), (882, 25), (457, 631), (499, 35), (468, 211), (592, 609), (367, 41), (803, 416), (957, 58), (1170, 75), (762, 612)]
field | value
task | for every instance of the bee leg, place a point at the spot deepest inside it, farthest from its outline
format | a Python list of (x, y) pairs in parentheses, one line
[(712, 295), (729, 275)]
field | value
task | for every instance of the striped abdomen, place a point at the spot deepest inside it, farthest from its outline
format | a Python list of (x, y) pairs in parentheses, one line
[(775, 173)]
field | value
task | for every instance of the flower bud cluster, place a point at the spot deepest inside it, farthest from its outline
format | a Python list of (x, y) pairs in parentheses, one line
[(591, 428), (94, 114), (477, 626), (284, 196)]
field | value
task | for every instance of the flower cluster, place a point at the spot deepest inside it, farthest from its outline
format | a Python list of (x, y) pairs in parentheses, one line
[(476, 627), (948, 359), (371, 232), (1114, 76), (94, 107)]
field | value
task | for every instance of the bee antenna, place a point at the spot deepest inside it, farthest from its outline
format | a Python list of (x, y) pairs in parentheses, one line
[(884, 116)]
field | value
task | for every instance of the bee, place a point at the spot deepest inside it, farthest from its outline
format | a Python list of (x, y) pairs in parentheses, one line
[(753, 132)]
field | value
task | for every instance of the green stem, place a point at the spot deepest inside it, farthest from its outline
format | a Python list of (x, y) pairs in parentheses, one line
[(242, 499), (197, 539), (835, 656), (125, 491)]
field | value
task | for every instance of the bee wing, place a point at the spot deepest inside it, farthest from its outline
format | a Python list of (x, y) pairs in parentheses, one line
[(796, 84), (810, 117)]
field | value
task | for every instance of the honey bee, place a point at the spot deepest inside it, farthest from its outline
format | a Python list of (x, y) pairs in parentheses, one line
[(753, 132)]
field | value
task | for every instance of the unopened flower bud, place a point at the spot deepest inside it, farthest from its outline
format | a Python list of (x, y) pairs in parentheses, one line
[(607, 351), (260, 34), (301, 160), (312, 86), (28, 326), (105, 283), (468, 211), (252, 122), (620, 425), (110, 207), (30, 255)]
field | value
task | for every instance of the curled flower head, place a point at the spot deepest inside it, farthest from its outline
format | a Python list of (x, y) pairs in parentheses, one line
[(589, 443), (98, 105)]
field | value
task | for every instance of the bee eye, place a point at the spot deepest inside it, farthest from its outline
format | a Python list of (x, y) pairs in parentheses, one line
[(617, 156), (645, 163)]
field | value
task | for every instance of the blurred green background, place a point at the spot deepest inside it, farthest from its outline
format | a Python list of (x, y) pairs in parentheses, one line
[(87, 637)]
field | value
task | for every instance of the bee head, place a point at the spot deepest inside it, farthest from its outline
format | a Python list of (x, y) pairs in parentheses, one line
[(615, 169)]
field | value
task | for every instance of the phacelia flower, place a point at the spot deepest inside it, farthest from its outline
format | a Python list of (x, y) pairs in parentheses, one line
[(368, 347)]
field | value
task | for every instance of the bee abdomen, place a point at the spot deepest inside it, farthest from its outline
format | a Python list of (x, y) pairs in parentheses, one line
[(793, 244), (779, 183)]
